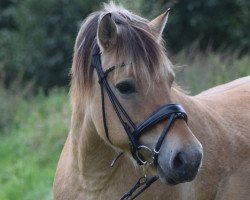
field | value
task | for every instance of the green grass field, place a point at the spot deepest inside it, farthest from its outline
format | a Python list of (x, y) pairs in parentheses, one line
[(30, 146), (33, 129)]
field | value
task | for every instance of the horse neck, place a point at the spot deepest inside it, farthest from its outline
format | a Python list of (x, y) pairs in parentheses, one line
[(92, 157)]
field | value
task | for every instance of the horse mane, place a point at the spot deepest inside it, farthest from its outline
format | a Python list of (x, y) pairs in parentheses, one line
[(135, 39)]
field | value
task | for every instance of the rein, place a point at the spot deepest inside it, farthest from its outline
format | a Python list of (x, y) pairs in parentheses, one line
[(171, 112)]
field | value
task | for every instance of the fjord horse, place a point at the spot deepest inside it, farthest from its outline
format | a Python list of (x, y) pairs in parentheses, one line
[(215, 140)]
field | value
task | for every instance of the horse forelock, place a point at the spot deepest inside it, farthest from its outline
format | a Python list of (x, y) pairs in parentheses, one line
[(135, 40)]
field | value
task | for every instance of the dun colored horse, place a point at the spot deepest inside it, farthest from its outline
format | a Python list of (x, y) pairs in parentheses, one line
[(203, 156)]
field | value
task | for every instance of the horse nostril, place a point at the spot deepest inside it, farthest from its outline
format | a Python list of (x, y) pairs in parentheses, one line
[(178, 162), (184, 164)]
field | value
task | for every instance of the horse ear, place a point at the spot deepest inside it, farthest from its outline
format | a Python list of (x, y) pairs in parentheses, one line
[(159, 23), (107, 32)]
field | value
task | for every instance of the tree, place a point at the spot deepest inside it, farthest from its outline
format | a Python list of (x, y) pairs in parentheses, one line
[(218, 24), (41, 43)]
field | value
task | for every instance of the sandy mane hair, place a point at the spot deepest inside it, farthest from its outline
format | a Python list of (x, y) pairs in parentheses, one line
[(136, 40)]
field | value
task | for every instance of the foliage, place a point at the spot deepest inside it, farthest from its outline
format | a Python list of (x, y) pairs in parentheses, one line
[(38, 38), (220, 24), (30, 149), (10, 99)]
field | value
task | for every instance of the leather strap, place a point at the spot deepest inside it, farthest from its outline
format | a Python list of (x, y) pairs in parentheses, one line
[(133, 131), (168, 112), (143, 182), (160, 114)]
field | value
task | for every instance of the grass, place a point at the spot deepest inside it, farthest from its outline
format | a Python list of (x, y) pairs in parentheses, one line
[(33, 130), (30, 149), (196, 71)]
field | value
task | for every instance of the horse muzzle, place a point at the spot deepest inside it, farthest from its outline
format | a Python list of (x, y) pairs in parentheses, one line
[(179, 166)]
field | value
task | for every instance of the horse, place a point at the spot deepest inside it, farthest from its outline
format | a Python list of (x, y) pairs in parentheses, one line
[(123, 86)]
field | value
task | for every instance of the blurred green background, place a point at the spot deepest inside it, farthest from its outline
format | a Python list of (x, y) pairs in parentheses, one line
[(207, 41)]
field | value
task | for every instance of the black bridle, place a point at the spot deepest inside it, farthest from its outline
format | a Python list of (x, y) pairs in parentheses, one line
[(171, 112)]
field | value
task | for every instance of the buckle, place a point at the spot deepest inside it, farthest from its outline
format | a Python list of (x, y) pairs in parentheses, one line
[(144, 152)]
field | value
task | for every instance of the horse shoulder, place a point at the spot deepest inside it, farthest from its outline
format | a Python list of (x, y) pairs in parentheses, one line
[(235, 185), (229, 105)]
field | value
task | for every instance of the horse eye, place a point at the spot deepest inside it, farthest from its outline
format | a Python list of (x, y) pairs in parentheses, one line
[(126, 87)]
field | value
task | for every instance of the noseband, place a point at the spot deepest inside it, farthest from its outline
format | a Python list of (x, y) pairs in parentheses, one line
[(169, 112)]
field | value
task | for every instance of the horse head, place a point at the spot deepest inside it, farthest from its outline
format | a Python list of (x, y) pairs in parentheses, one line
[(135, 73)]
